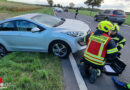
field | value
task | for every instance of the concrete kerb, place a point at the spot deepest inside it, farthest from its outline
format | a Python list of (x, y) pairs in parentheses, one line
[(79, 79)]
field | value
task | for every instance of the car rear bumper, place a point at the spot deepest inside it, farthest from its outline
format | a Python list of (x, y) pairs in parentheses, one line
[(118, 20)]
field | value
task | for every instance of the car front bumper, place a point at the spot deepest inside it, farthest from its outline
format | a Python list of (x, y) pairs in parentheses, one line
[(75, 46)]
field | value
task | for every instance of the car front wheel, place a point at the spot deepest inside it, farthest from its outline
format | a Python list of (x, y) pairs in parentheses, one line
[(60, 49), (3, 51)]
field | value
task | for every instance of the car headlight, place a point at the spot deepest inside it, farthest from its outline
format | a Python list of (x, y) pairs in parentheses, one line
[(74, 34)]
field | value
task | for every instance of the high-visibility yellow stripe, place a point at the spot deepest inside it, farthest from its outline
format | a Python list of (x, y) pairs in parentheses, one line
[(88, 45), (115, 38), (98, 39), (94, 55), (101, 49), (124, 40), (110, 51), (85, 39), (93, 58), (121, 45), (95, 62)]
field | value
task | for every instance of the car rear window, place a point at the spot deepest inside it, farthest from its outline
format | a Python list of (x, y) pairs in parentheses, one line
[(118, 12), (107, 11)]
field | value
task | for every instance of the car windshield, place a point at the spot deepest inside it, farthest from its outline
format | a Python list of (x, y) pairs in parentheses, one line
[(48, 20)]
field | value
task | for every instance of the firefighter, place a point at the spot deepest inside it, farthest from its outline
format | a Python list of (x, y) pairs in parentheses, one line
[(99, 46), (118, 38)]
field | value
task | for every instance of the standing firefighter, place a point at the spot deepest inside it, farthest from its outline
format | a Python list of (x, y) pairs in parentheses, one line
[(99, 47), (118, 38), (76, 13)]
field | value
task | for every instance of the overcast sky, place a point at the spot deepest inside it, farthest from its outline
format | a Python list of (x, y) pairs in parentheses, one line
[(108, 4)]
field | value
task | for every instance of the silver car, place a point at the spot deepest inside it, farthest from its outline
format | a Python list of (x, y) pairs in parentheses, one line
[(117, 16), (42, 33)]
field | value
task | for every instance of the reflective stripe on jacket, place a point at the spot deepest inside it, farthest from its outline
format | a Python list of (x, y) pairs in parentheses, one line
[(119, 40)]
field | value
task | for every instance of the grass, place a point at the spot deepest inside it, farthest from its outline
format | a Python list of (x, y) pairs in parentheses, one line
[(128, 19), (86, 12), (24, 70), (31, 71)]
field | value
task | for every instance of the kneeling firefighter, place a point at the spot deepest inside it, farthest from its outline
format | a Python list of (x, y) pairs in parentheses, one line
[(99, 46)]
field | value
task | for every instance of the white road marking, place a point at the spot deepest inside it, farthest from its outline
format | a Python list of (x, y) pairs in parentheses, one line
[(80, 81)]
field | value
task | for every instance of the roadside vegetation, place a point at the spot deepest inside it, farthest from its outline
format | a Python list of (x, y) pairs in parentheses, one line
[(31, 71), (10, 9), (128, 19), (26, 70), (87, 12)]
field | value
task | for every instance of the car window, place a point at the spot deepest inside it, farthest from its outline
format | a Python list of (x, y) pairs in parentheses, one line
[(118, 12), (0, 27), (8, 26), (107, 11), (25, 25)]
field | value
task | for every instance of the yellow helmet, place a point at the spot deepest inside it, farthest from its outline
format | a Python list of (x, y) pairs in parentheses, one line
[(105, 26), (116, 27)]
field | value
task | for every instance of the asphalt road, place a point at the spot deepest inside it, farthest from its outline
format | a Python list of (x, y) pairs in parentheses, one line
[(105, 81)]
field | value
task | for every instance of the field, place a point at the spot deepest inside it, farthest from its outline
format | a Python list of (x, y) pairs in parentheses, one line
[(26, 70), (10, 9)]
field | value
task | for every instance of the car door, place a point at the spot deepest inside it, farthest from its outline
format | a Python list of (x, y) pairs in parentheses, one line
[(18, 36), (7, 33), (28, 40)]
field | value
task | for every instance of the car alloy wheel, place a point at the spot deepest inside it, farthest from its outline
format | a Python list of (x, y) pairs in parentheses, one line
[(60, 49), (3, 51)]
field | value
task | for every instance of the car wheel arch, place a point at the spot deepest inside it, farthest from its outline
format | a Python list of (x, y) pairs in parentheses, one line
[(49, 47), (3, 46), (5, 50)]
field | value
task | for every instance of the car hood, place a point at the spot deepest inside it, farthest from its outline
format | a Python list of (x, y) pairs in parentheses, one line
[(73, 25)]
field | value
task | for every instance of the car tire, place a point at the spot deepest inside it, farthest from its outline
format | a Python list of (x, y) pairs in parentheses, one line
[(95, 19), (3, 51), (60, 49), (106, 19), (120, 23)]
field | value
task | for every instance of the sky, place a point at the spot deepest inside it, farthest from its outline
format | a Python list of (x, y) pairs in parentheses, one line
[(107, 4)]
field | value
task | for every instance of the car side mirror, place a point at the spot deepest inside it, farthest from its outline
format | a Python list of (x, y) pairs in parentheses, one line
[(36, 29)]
